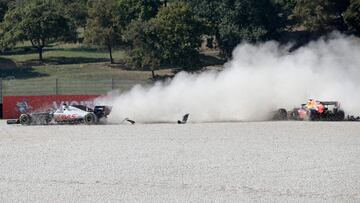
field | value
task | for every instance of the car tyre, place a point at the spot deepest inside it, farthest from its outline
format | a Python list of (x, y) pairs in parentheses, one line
[(339, 115), (89, 119), (281, 115), (25, 119), (314, 115)]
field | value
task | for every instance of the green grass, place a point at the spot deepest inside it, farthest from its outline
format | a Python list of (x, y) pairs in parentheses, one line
[(90, 71), (78, 70), (71, 61), (27, 54), (66, 86)]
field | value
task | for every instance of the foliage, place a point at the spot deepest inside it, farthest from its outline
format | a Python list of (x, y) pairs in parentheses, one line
[(321, 16), (108, 18), (285, 10), (234, 21), (142, 10), (143, 41), (246, 20), (76, 10), (179, 33), (208, 13), (3, 8), (172, 38), (287, 5), (103, 25), (352, 16), (37, 21), (169, 32)]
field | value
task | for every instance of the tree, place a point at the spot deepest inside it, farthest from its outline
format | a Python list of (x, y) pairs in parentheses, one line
[(208, 13), (246, 20), (171, 38), (108, 18), (143, 10), (180, 34), (321, 16), (352, 16), (234, 21), (285, 10), (104, 24), (287, 5), (76, 10), (5, 5), (144, 50), (3, 9), (37, 21)]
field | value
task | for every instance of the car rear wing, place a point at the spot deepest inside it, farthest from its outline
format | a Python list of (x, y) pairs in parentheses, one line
[(328, 103), (104, 110)]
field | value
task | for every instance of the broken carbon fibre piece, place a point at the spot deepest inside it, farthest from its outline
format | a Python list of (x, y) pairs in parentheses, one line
[(184, 119)]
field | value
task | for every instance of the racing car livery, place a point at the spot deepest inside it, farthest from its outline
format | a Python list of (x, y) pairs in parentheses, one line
[(74, 114), (313, 110)]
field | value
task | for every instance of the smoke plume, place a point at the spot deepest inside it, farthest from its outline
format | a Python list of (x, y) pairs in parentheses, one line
[(259, 79)]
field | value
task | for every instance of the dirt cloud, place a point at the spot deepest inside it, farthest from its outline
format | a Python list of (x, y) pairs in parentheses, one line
[(260, 78)]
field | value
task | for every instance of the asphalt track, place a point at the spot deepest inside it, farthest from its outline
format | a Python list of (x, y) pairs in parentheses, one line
[(214, 162)]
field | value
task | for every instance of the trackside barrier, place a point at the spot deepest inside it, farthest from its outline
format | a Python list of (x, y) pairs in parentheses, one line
[(1, 97), (66, 88)]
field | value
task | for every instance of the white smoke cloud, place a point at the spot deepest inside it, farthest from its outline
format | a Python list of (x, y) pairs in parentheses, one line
[(259, 79)]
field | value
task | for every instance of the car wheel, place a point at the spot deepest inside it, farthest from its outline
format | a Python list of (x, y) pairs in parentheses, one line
[(281, 114), (89, 119), (294, 115), (25, 119), (48, 119), (314, 115), (340, 115)]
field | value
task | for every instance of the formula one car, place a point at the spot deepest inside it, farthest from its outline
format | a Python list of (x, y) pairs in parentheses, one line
[(74, 114), (313, 110)]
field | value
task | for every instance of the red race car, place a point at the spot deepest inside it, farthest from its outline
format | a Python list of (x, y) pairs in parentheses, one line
[(313, 110)]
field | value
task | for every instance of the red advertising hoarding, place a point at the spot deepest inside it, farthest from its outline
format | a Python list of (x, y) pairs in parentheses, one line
[(13, 106)]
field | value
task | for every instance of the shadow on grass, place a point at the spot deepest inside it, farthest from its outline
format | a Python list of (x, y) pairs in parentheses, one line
[(19, 51), (20, 73), (73, 60), (10, 70), (205, 59), (298, 39), (209, 60), (31, 50), (161, 78), (64, 61), (79, 49)]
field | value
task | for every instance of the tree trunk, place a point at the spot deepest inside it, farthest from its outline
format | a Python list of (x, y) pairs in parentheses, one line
[(110, 53), (153, 73), (40, 47), (40, 50)]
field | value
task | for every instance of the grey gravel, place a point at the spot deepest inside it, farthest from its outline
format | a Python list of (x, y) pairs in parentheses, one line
[(210, 162)]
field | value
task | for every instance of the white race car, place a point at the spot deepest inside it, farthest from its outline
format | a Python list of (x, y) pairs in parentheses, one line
[(74, 114)]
